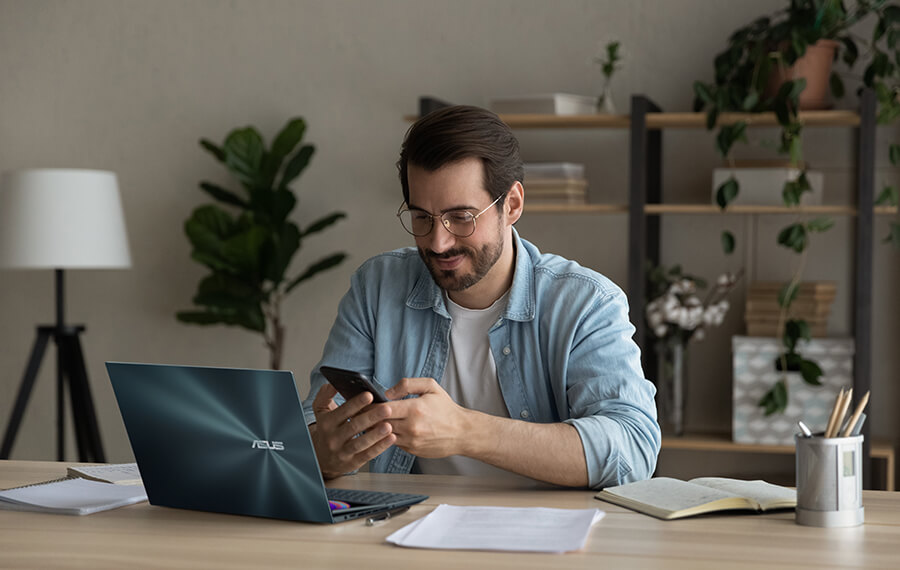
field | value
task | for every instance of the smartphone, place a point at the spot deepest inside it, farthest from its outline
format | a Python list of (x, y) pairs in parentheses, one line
[(350, 383)]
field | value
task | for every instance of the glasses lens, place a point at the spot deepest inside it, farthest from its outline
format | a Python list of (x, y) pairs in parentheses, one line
[(416, 223), (461, 224)]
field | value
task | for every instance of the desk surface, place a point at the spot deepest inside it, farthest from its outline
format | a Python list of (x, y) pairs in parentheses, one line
[(143, 535)]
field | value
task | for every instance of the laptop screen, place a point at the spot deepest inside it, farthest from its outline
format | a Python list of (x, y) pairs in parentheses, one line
[(221, 439)]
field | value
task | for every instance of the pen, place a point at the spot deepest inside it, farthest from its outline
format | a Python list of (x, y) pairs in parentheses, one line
[(834, 412), (805, 429), (385, 516)]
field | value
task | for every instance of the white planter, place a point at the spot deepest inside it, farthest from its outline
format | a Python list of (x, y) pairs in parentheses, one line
[(763, 186), (755, 374)]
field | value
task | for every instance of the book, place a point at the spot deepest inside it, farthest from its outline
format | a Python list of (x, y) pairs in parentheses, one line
[(71, 497), (667, 499), (116, 473)]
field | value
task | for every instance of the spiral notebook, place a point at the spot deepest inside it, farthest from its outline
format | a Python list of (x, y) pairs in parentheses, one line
[(71, 497)]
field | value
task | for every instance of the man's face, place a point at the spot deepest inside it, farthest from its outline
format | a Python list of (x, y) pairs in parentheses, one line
[(456, 263)]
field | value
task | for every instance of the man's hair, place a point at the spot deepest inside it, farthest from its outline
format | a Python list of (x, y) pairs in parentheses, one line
[(455, 133)]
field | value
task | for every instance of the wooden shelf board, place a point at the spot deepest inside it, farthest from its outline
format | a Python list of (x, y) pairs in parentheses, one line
[(539, 208), (723, 442), (706, 209), (670, 120), (698, 120)]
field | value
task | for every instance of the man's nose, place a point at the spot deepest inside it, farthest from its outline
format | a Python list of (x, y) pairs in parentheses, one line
[(440, 238)]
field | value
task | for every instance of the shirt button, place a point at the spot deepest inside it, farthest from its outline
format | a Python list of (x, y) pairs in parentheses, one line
[(524, 414), (506, 350)]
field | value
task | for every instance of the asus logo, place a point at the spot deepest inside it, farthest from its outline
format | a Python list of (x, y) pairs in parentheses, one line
[(263, 444)]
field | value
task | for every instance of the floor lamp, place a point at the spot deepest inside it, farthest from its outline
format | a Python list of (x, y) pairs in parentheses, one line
[(61, 219)]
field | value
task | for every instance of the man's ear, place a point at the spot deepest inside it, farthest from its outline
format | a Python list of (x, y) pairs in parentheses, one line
[(514, 204)]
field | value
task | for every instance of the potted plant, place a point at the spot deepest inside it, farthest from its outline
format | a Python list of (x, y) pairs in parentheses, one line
[(752, 75), (248, 244)]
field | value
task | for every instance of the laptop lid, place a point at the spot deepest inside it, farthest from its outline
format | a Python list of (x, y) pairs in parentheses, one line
[(224, 440)]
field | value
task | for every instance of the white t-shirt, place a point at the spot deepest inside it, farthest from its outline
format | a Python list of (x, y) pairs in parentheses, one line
[(470, 378)]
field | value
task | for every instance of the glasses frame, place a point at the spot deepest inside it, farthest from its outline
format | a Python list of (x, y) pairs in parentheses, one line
[(445, 222)]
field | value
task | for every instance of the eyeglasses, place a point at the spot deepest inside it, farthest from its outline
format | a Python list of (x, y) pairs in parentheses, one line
[(460, 223)]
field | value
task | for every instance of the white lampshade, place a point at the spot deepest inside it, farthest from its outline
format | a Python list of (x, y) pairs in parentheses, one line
[(60, 219)]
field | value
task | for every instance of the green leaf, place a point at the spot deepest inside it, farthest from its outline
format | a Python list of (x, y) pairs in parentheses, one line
[(750, 100), (791, 193), (819, 224), (223, 195), (879, 30), (701, 90), (296, 165), (319, 266), (787, 294), (811, 372), (244, 155), (226, 292), (775, 400), (888, 197), (207, 229), (851, 52), (727, 192), (837, 86), (213, 149), (280, 250), (284, 143), (243, 251), (797, 329), (323, 223), (711, 117), (894, 236), (793, 237), (895, 154), (727, 242), (730, 134)]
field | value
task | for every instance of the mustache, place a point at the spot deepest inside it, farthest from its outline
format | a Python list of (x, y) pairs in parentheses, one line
[(445, 255)]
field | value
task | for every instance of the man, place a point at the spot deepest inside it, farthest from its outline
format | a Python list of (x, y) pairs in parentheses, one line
[(498, 359)]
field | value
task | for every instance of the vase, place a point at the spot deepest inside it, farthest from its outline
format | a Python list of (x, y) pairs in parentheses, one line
[(605, 102), (815, 68), (671, 386)]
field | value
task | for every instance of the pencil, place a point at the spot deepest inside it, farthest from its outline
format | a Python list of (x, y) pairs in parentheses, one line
[(856, 413), (845, 405), (834, 411)]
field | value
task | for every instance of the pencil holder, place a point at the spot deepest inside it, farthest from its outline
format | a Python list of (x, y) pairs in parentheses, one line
[(829, 481)]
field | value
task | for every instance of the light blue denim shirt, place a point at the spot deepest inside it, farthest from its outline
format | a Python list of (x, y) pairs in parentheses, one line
[(563, 350)]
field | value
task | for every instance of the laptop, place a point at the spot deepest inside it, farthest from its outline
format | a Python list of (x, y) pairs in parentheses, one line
[(233, 441)]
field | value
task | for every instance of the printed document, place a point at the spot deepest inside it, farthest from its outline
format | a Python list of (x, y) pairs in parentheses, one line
[(500, 528)]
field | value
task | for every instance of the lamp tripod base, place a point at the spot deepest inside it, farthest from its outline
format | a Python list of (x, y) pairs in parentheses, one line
[(70, 371)]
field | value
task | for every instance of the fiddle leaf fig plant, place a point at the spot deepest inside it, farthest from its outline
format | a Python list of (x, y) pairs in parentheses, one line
[(247, 240), (745, 81)]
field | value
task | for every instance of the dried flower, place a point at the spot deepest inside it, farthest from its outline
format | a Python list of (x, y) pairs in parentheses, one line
[(676, 311)]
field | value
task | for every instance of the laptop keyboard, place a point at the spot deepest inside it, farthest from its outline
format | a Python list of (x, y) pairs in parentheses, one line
[(355, 497)]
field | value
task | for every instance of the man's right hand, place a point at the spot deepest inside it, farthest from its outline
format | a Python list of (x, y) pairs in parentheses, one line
[(334, 434)]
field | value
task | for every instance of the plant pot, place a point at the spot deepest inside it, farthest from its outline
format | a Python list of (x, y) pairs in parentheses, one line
[(815, 67), (671, 386)]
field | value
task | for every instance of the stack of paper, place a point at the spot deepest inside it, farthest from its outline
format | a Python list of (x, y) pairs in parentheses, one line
[(499, 528), (71, 497)]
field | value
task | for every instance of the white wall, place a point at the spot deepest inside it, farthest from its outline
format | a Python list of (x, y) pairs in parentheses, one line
[(131, 86)]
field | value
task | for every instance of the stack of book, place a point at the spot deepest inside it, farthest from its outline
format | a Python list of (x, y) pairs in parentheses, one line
[(555, 183), (812, 304)]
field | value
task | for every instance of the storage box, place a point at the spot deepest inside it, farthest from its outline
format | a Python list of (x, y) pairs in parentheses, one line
[(763, 186), (755, 374), (553, 171), (545, 104)]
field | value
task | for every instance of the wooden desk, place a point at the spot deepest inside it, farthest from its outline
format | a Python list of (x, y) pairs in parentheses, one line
[(143, 536)]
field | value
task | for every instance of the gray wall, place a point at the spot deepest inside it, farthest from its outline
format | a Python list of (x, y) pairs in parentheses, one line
[(130, 86)]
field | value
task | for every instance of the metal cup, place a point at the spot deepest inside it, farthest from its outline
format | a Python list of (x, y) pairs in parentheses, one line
[(829, 481)]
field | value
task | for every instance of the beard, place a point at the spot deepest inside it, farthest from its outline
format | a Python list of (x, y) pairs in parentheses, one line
[(482, 261)]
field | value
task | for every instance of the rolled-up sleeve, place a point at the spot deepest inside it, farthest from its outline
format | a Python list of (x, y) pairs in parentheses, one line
[(610, 403)]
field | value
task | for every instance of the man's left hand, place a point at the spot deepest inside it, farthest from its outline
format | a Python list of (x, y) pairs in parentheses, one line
[(432, 425)]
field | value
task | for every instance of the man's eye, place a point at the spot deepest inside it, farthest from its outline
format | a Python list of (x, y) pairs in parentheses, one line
[(458, 217), (419, 216)]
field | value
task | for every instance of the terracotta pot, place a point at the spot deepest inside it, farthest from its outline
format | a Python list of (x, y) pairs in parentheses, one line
[(815, 67)]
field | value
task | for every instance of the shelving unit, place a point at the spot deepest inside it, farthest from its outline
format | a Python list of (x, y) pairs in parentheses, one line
[(646, 206)]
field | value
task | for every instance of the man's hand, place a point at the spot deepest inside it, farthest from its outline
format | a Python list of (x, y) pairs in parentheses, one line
[(334, 434), (432, 425)]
